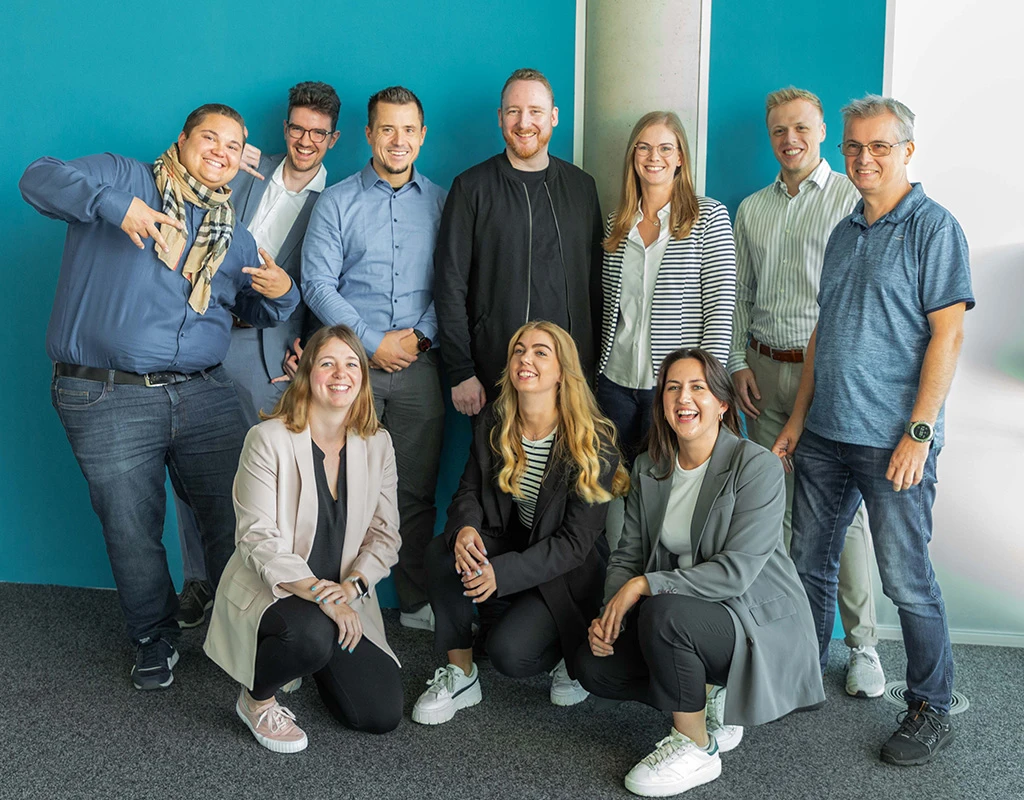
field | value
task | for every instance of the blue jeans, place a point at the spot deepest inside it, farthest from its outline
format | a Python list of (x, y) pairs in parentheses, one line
[(831, 479), (124, 438), (630, 410)]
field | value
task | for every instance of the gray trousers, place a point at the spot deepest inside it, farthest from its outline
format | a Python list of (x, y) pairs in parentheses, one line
[(410, 405), (778, 383)]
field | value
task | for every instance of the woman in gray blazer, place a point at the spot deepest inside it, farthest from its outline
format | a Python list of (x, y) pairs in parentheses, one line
[(316, 529), (700, 591)]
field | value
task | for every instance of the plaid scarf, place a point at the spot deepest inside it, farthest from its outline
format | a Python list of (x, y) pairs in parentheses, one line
[(177, 187)]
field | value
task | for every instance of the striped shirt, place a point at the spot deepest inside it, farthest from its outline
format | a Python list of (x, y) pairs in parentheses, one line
[(536, 462), (780, 244), (694, 291)]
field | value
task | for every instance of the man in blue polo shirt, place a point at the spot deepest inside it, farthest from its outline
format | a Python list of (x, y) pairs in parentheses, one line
[(869, 414), (137, 334), (367, 262)]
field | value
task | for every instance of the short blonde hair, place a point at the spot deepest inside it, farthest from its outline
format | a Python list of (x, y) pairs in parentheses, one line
[(788, 95)]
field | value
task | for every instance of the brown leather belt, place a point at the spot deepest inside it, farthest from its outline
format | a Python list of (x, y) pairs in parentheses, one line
[(151, 379), (239, 323), (787, 356)]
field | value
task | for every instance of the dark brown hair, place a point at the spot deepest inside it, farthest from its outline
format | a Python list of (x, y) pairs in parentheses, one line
[(199, 114), (317, 96), (395, 95)]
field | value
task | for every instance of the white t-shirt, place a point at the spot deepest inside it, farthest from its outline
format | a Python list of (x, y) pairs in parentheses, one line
[(682, 499)]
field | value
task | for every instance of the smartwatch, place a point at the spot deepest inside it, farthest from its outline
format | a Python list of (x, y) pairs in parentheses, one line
[(361, 586), (422, 342), (920, 431)]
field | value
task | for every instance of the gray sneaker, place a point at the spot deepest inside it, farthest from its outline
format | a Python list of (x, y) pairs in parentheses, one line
[(864, 675), (193, 603)]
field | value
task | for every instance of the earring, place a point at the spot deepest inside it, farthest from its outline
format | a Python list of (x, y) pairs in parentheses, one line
[(721, 416)]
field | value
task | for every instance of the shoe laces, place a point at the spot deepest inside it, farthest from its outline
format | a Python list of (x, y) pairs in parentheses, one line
[(914, 719), (864, 655), (443, 681), (668, 749), (151, 654), (277, 717)]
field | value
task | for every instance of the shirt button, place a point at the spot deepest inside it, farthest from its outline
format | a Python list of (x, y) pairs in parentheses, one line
[(396, 246), (395, 219)]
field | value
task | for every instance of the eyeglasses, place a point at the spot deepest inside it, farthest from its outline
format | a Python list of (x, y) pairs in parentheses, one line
[(851, 149), (664, 150), (316, 135)]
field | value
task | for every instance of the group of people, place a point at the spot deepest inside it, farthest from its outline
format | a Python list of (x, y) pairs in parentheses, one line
[(599, 360)]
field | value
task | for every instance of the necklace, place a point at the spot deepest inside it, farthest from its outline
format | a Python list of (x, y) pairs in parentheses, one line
[(533, 438), (655, 222)]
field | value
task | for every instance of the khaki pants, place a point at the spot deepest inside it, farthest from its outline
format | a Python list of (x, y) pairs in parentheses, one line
[(778, 383)]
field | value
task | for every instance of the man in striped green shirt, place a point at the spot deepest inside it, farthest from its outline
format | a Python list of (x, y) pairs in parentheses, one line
[(781, 232)]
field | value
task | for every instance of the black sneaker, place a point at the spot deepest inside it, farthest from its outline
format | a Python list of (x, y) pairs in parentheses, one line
[(154, 661), (921, 735), (193, 602)]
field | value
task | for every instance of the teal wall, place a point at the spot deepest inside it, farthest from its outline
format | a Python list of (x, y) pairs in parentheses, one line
[(80, 79)]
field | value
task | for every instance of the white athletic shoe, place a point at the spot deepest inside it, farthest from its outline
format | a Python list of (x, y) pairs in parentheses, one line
[(449, 690), (421, 620), (677, 764), (864, 675), (728, 736), (292, 686), (564, 690)]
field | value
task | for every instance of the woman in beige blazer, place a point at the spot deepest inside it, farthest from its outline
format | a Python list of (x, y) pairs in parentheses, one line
[(700, 589), (316, 529)]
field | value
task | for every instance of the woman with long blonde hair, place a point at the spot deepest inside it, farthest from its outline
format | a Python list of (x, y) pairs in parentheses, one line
[(317, 529), (524, 539), (669, 274)]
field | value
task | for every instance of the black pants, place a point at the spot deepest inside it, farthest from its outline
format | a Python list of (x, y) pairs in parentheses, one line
[(522, 638), (361, 689), (672, 646)]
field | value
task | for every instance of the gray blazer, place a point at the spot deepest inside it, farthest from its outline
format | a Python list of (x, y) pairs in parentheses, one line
[(246, 193), (740, 561)]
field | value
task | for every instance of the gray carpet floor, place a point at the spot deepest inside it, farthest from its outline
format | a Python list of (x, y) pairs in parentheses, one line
[(72, 726)]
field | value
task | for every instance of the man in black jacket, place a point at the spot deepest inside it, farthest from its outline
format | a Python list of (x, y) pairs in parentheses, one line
[(519, 240)]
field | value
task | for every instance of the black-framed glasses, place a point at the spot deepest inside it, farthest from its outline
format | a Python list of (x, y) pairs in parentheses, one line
[(664, 150), (851, 149), (316, 135)]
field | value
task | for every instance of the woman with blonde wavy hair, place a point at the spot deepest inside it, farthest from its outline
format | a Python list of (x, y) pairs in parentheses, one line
[(316, 530), (524, 540), (669, 274)]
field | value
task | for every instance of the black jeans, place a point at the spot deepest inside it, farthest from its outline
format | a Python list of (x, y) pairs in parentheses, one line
[(522, 638), (361, 689), (672, 646)]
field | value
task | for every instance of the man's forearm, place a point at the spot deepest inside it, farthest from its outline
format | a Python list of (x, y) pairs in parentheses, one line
[(937, 374), (805, 394)]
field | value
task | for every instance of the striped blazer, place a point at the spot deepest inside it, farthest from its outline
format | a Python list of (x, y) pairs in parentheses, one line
[(694, 293)]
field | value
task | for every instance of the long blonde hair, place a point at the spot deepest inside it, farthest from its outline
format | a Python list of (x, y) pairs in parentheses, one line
[(581, 430), (293, 407), (685, 209)]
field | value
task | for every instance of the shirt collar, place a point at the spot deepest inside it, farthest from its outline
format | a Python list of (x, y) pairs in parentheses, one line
[(663, 213), (316, 185), (904, 208), (819, 176), (368, 177)]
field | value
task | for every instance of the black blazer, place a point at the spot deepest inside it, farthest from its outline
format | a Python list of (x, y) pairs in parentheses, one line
[(567, 551)]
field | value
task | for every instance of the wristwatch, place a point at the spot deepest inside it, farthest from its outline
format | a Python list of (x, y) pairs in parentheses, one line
[(422, 342), (920, 431), (361, 586)]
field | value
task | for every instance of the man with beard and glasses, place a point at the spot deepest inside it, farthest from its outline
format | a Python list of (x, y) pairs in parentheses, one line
[(137, 336), (520, 240), (367, 262)]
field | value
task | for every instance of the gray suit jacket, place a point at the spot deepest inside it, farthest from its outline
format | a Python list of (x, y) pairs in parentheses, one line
[(246, 193), (740, 561)]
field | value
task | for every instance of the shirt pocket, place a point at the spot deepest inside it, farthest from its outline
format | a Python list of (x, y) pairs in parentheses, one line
[(238, 594), (772, 610)]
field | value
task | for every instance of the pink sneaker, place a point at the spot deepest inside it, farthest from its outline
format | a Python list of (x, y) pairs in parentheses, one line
[(273, 725)]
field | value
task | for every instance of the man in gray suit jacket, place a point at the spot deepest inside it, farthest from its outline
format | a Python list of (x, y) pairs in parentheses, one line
[(273, 197)]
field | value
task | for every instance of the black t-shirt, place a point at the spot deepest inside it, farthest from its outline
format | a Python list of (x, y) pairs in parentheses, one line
[(325, 556), (547, 274)]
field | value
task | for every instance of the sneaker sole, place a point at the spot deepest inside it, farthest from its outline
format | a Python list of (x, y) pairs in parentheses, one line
[(705, 774), (438, 716), (866, 695), (566, 699), (156, 686), (916, 762), (273, 745)]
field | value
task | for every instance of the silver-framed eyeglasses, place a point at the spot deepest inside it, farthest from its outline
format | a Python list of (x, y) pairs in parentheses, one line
[(664, 150), (851, 149), (316, 135)]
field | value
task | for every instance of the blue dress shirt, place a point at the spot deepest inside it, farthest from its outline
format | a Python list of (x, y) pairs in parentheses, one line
[(119, 307), (368, 256)]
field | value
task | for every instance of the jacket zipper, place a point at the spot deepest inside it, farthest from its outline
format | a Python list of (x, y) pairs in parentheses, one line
[(561, 256), (529, 252)]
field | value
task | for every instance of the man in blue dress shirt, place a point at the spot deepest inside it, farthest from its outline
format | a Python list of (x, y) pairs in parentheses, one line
[(367, 262), (137, 334)]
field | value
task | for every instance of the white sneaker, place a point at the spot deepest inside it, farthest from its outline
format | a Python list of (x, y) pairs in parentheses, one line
[(864, 675), (564, 690), (728, 736), (292, 686), (449, 690), (421, 620), (675, 766)]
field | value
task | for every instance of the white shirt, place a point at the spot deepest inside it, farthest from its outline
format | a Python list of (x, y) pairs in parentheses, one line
[(682, 500), (629, 363), (780, 245), (278, 209)]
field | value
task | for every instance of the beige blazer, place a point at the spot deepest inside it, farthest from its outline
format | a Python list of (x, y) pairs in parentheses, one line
[(276, 511)]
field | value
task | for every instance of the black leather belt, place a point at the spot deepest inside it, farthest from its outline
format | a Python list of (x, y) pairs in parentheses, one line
[(61, 370)]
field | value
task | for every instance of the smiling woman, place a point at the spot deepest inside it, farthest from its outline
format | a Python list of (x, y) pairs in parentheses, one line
[(317, 529)]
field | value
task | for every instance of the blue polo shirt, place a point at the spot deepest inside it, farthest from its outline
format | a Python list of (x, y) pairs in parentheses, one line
[(368, 255), (119, 307), (878, 284)]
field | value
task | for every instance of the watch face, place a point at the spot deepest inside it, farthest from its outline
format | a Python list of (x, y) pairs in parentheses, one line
[(921, 431), (424, 344)]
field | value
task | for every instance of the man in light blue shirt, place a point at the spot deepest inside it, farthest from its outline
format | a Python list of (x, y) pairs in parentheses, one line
[(868, 419), (367, 262)]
